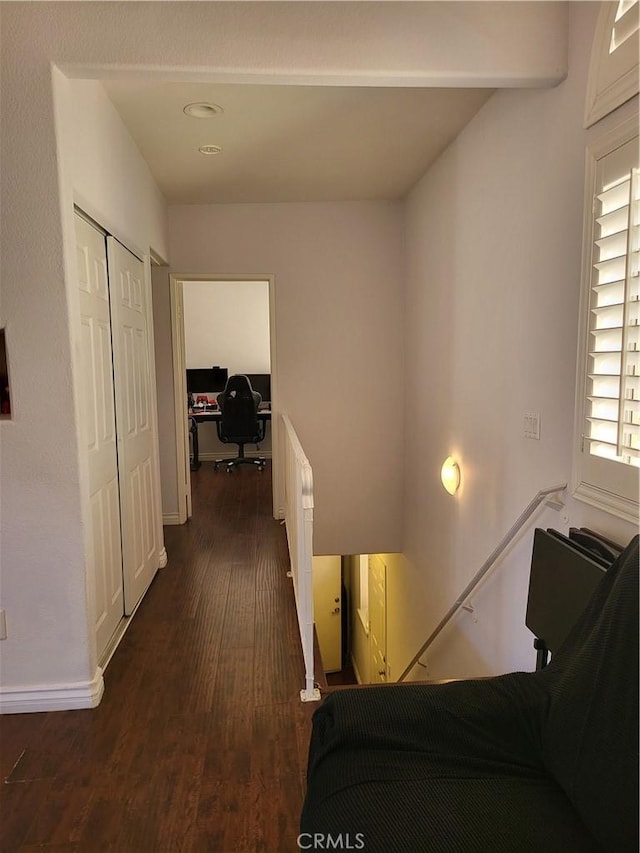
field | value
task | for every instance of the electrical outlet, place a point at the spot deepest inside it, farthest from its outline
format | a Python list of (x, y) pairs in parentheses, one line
[(3, 625), (532, 425)]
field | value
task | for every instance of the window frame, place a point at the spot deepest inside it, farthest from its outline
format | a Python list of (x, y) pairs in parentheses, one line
[(613, 74), (594, 486), (363, 591)]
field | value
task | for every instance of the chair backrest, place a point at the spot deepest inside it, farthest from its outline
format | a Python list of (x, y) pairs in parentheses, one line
[(239, 406)]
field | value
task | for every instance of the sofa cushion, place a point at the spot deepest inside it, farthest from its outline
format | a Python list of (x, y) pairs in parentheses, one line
[(451, 768)]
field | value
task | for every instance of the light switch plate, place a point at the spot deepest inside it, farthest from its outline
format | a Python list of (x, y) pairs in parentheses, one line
[(532, 425)]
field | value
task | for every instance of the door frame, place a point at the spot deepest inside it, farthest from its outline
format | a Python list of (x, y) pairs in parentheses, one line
[(374, 675), (183, 475), (176, 281), (327, 608)]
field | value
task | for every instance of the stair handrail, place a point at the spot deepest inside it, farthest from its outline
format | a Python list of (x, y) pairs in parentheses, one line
[(486, 566)]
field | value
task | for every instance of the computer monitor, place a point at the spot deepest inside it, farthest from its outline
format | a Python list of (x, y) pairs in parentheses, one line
[(261, 382), (206, 380)]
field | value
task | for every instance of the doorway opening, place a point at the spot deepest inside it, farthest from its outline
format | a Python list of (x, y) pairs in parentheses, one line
[(350, 616), (365, 612), (225, 323)]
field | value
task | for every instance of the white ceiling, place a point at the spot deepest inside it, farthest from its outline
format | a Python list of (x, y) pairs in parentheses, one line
[(291, 143)]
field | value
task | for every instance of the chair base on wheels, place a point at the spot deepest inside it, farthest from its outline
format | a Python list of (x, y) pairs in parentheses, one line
[(241, 459)]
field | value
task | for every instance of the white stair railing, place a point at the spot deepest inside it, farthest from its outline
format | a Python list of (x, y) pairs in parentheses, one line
[(299, 523), (543, 495)]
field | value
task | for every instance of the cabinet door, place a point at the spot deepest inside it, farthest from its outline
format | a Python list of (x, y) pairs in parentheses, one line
[(129, 299), (98, 431)]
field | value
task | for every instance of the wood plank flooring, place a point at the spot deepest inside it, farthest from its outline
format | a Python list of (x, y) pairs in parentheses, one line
[(200, 741)]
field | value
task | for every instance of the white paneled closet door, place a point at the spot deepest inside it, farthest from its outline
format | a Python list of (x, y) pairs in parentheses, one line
[(135, 437), (104, 548)]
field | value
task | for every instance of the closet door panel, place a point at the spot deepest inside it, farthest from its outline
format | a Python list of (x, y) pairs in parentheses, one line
[(104, 549), (129, 318)]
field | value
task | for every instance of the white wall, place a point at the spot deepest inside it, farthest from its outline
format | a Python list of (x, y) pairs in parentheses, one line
[(226, 323), (338, 300), (494, 248), (44, 483), (109, 175)]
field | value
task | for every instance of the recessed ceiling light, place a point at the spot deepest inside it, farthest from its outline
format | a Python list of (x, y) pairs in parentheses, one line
[(210, 149), (202, 109)]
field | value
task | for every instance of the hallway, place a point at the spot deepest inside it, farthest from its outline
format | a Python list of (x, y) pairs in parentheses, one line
[(200, 741)]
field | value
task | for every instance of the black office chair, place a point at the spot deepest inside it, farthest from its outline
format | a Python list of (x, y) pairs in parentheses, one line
[(194, 455), (239, 423)]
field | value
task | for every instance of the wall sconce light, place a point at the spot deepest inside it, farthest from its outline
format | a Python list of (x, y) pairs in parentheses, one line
[(450, 475)]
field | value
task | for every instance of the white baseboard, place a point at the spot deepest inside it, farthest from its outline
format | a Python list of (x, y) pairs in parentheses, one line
[(170, 518), (52, 697), (230, 454)]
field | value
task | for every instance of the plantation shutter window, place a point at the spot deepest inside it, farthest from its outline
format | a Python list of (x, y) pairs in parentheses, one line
[(607, 450), (612, 427)]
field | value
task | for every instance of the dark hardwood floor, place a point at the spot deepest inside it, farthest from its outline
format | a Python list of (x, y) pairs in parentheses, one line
[(200, 741)]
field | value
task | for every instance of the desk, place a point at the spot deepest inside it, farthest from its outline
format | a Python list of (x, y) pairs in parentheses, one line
[(200, 416)]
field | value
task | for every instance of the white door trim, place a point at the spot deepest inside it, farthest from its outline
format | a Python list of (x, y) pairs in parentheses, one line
[(183, 477), (150, 259), (378, 663), (87, 210)]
